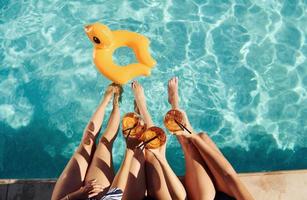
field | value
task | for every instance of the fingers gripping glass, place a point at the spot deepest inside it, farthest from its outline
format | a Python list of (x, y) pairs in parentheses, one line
[(154, 137), (143, 144), (183, 127), (169, 120), (129, 129), (133, 125)]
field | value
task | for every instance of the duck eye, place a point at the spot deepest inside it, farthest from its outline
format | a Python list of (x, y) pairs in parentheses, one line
[(96, 40)]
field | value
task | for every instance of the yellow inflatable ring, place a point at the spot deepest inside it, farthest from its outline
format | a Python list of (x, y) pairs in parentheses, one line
[(106, 42)]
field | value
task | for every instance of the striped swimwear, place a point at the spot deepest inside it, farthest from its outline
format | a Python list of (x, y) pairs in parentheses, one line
[(113, 194)]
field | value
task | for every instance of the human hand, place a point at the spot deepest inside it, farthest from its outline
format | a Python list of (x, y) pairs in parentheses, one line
[(139, 154), (184, 132), (131, 142), (89, 190), (156, 154)]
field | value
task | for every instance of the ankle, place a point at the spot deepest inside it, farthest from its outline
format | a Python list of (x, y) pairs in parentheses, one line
[(142, 106), (175, 107)]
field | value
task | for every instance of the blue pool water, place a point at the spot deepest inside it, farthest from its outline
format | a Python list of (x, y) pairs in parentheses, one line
[(241, 63)]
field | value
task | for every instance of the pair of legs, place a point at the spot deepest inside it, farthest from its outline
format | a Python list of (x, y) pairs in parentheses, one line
[(88, 162), (131, 176), (207, 170), (155, 180), (145, 170), (161, 181)]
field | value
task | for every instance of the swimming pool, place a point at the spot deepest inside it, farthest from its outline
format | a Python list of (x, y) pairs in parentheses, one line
[(242, 68)]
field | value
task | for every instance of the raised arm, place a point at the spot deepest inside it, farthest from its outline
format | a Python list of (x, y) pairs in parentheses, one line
[(174, 185)]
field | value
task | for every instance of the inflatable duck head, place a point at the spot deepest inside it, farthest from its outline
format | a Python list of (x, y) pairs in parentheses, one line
[(99, 34)]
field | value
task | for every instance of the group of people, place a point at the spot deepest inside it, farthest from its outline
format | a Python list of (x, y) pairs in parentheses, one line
[(145, 172)]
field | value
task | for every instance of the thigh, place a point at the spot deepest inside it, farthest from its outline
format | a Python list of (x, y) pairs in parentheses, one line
[(204, 136), (219, 181), (101, 167), (198, 182), (73, 175), (155, 180), (136, 183)]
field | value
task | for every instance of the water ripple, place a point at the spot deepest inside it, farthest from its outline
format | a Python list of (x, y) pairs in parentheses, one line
[(241, 64)]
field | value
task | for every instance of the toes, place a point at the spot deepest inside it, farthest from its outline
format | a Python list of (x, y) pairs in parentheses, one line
[(173, 81), (137, 84), (133, 84)]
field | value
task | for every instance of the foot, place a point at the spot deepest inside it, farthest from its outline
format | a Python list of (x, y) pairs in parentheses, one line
[(139, 96), (118, 89), (173, 97), (108, 93)]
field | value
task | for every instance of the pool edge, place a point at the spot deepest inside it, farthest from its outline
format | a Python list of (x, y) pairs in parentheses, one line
[(279, 185)]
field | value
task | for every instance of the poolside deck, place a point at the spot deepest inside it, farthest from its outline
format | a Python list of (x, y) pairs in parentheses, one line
[(279, 185)]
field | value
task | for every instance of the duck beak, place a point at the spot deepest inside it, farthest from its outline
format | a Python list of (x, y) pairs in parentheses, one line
[(88, 28)]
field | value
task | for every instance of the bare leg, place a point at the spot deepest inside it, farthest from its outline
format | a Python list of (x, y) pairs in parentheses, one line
[(155, 180), (73, 175), (136, 183), (175, 186), (120, 180), (221, 169), (130, 178), (156, 184), (197, 181), (204, 136), (220, 183), (131, 175), (101, 167), (141, 102)]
